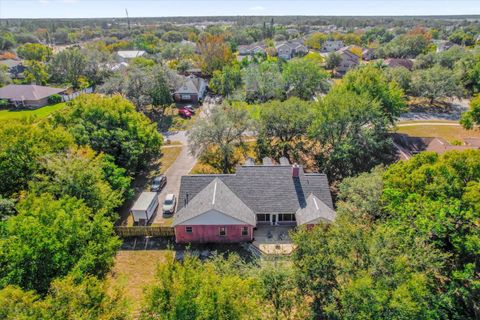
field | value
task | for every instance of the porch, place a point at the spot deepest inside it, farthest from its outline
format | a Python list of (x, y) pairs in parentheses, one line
[(273, 240)]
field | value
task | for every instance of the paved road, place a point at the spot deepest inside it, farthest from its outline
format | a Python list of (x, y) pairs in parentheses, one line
[(413, 124)]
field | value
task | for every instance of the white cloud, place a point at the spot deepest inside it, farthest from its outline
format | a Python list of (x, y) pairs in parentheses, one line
[(257, 8), (69, 1), (44, 1)]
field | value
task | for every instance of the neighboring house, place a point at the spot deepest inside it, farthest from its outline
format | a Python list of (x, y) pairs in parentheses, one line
[(126, 55), (418, 144), (368, 54), (332, 45), (15, 68), (287, 50), (443, 45), (396, 63), (28, 95), (191, 90), (348, 60), (216, 208), (251, 49)]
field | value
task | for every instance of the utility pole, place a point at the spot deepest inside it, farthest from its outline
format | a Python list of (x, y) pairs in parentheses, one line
[(128, 19)]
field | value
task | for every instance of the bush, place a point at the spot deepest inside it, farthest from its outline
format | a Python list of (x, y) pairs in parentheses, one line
[(54, 98)]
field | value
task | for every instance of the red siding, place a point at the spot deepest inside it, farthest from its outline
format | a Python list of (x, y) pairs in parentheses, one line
[(210, 234)]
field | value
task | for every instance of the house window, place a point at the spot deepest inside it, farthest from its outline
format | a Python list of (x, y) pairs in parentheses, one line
[(222, 232), (188, 229), (185, 97), (286, 217), (245, 231), (263, 217)]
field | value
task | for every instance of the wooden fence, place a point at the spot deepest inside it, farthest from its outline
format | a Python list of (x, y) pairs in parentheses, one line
[(144, 231)]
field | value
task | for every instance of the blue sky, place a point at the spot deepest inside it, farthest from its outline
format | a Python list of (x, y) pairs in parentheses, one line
[(160, 8)]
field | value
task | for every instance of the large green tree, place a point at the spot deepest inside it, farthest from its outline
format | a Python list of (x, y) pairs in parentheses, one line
[(218, 134), (34, 51), (263, 82), (51, 238), (435, 83), (283, 128), (69, 66), (471, 118), (225, 82), (304, 78), (113, 126), (22, 147), (352, 132)]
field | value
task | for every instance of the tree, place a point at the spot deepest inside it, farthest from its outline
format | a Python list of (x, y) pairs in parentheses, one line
[(225, 82), (4, 78), (438, 197), (263, 82), (303, 78), (471, 117), (333, 61), (7, 41), (282, 128), (316, 40), (435, 83), (352, 132), (214, 53), (80, 173), (111, 125), (143, 86), (36, 72), (195, 290), (34, 51), (220, 132), (67, 299), (172, 36), (68, 66), (51, 238), (22, 146), (405, 46), (370, 80)]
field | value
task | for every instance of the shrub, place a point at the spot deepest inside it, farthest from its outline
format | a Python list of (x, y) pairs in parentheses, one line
[(54, 98)]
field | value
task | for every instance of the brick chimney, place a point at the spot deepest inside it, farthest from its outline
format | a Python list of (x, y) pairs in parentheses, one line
[(295, 170)]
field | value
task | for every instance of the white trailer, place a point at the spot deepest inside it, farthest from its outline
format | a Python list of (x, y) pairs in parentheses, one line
[(145, 206)]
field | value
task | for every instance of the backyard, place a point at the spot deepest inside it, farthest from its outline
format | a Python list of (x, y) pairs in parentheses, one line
[(39, 113)]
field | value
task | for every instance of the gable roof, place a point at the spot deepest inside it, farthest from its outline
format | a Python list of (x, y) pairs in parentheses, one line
[(191, 84), (263, 188), (314, 210), (397, 62), (31, 92), (215, 196)]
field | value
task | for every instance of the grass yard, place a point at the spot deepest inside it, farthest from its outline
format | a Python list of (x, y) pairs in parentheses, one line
[(449, 133), (171, 121), (133, 270), (39, 113)]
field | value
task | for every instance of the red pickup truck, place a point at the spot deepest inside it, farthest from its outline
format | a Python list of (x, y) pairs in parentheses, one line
[(184, 113)]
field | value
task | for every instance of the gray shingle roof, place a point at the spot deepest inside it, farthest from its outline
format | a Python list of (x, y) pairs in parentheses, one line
[(215, 196), (315, 211), (20, 92), (264, 189)]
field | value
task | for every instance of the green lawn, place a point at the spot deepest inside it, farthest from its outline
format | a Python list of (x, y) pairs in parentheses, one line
[(39, 113)]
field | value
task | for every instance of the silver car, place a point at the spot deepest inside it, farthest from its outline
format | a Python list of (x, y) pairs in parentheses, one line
[(169, 204)]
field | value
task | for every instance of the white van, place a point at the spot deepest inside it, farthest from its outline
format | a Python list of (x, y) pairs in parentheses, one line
[(144, 208)]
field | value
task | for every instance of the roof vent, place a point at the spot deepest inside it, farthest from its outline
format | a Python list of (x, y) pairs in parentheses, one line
[(267, 161), (284, 161), (249, 162)]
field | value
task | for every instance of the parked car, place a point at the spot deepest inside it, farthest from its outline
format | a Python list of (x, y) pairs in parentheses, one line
[(158, 183), (184, 113), (169, 204), (189, 108)]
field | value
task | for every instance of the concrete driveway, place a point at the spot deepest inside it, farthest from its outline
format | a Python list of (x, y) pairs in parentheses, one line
[(182, 166)]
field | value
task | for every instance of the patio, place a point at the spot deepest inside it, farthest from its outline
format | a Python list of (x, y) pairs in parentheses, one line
[(273, 239)]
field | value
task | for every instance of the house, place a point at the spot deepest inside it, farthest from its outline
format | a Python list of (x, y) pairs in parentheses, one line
[(125, 55), (368, 54), (332, 45), (15, 68), (348, 60), (216, 208), (443, 45), (252, 49), (28, 95), (191, 90), (396, 63), (416, 145), (287, 50)]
